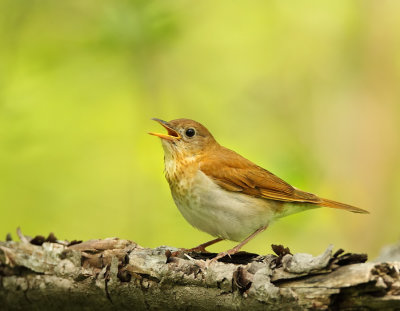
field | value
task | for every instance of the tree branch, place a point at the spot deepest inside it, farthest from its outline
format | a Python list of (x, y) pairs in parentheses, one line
[(118, 274)]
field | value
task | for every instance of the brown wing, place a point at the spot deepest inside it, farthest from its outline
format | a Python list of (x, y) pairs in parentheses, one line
[(235, 173)]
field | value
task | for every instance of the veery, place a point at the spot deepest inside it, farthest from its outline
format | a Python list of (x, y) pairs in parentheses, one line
[(224, 194)]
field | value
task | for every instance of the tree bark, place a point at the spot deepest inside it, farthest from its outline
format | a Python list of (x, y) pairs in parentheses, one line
[(115, 274)]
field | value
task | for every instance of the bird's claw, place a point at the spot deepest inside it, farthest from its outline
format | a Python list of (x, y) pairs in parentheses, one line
[(183, 251), (223, 254), (198, 249)]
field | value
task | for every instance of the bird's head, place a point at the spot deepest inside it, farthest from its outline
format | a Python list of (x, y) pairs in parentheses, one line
[(184, 138)]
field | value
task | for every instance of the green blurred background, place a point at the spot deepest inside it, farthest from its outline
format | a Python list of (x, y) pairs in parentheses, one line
[(307, 89)]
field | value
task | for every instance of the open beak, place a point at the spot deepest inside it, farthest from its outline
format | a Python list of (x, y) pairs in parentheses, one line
[(171, 135)]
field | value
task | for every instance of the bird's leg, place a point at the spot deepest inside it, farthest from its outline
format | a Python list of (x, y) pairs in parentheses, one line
[(239, 246), (202, 247)]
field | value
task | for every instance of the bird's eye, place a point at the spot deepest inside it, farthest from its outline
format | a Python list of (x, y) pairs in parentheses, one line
[(190, 132)]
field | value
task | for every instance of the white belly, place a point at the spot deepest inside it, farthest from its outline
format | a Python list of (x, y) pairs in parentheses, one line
[(221, 213)]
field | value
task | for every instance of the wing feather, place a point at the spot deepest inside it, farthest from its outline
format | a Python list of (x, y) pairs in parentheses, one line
[(235, 173)]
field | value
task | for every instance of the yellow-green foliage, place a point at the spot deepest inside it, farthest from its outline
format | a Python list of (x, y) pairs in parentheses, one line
[(306, 89)]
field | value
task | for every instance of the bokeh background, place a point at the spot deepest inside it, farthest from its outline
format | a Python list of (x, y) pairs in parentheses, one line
[(307, 89)]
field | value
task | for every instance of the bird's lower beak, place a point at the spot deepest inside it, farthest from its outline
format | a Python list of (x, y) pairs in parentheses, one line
[(171, 135)]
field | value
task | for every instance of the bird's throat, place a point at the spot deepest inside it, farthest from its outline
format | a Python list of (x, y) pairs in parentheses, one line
[(179, 171)]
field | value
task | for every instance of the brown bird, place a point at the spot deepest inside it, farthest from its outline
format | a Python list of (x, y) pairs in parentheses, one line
[(224, 194)]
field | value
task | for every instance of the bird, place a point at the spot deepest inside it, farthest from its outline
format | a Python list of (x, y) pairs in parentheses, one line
[(224, 194)]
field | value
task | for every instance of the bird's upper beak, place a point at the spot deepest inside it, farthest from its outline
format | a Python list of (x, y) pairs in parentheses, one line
[(171, 135)]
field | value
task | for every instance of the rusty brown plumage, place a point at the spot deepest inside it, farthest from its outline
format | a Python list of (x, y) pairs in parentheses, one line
[(233, 172), (220, 192)]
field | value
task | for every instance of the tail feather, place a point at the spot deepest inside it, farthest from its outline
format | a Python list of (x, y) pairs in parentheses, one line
[(334, 204)]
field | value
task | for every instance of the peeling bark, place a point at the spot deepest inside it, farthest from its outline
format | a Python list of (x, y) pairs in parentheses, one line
[(113, 274)]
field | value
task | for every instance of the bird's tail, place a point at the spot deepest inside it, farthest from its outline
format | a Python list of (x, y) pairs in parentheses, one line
[(334, 204)]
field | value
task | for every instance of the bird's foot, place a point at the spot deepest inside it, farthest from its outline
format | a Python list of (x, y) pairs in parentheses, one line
[(178, 252), (197, 249), (227, 253)]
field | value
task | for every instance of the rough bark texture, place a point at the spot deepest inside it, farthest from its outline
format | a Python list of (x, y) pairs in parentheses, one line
[(114, 274)]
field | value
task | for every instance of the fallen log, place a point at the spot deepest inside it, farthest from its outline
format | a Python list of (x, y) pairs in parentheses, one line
[(115, 274)]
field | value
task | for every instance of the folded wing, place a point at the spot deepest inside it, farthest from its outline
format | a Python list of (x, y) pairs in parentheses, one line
[(234, 173)]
